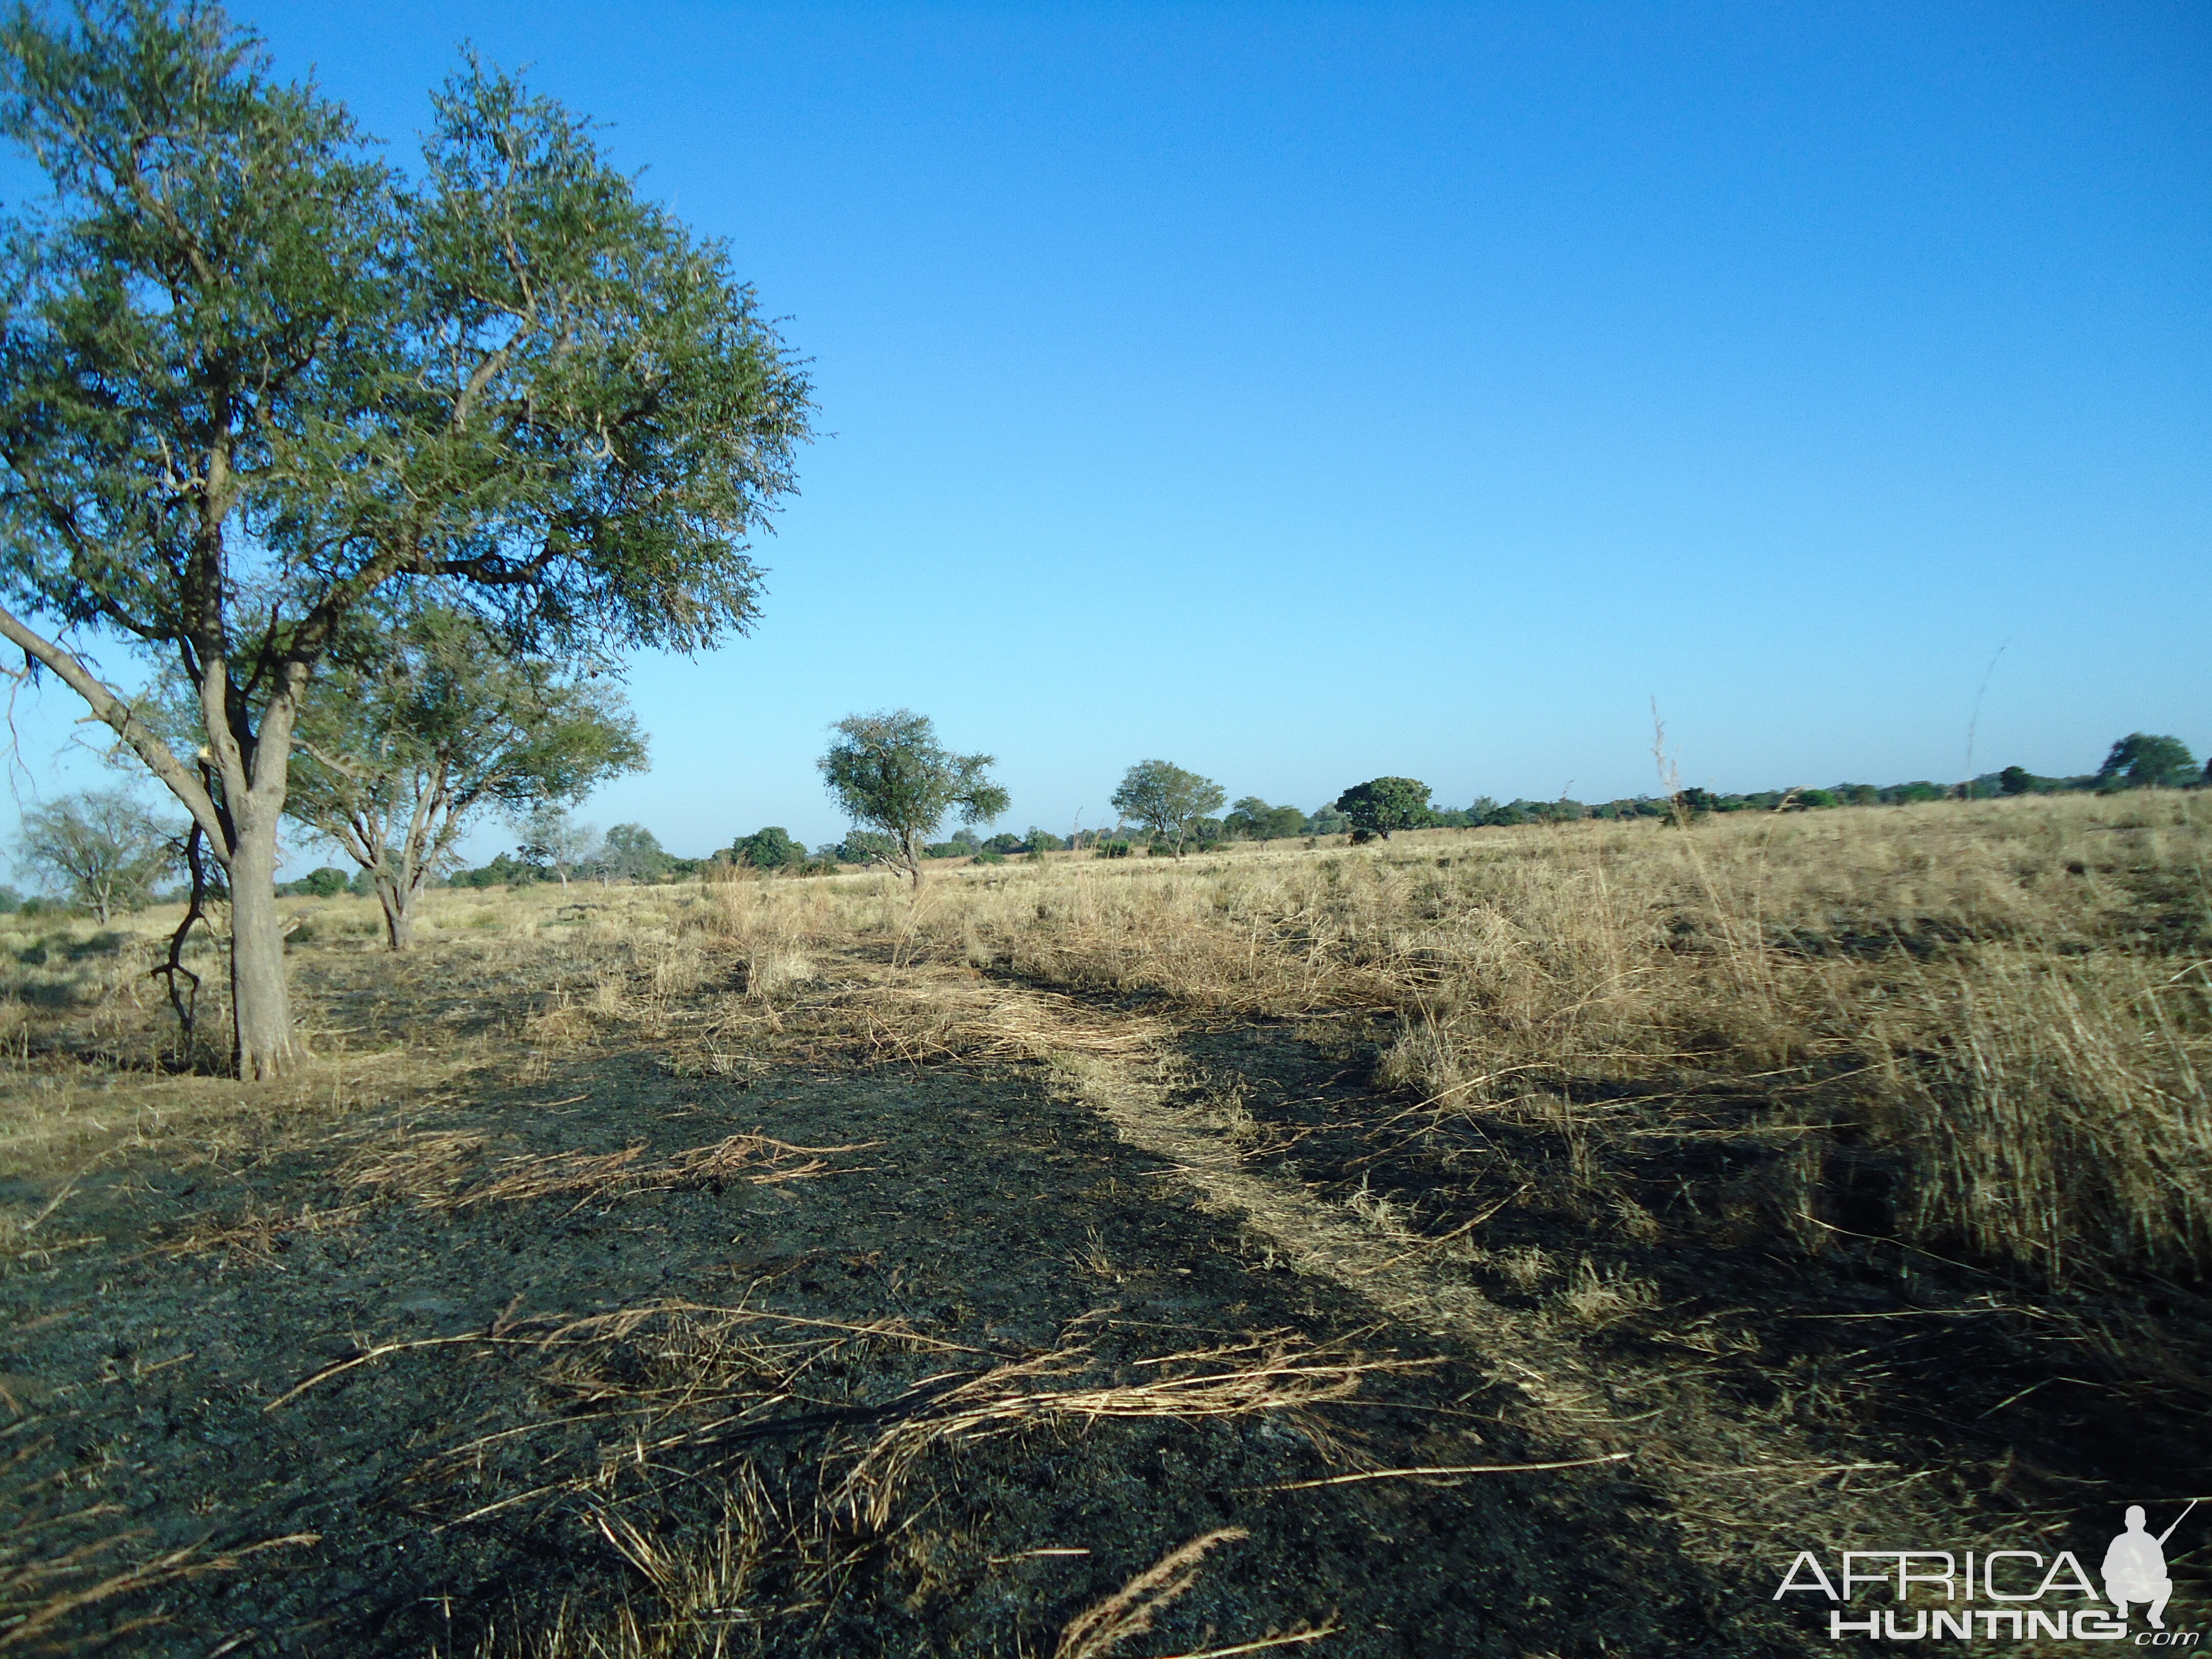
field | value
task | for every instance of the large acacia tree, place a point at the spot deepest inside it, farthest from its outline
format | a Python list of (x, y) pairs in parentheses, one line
[(254, 384), (392, 761)]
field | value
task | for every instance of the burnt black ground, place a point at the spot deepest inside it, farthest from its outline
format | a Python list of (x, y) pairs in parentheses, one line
[(150, 1378), (1897, 1354)]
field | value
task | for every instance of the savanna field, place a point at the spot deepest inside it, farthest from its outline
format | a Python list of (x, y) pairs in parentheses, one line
[(1518, 1242)]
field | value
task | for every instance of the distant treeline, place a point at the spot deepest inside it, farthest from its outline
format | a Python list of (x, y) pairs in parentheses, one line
[(630, 852)]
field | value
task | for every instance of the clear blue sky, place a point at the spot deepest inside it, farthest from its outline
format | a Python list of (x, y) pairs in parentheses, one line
[(1302, 392)]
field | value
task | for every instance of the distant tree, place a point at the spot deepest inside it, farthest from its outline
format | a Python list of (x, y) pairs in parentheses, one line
[(631, 854), (397, 756), (504, 871), (1327, 821), (1002, 843), (1166, 799), (889, 772), (2015, 780), (1384, 805), (771, 848), (553, 841), (1906, 794), (863, 847), (1813, 800), (1858, 795), (1252, 820), (100, 847), (1695, 803), (1041, 841), (326, 882), (2140, 760)]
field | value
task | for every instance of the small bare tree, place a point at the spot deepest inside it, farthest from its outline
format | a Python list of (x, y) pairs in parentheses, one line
[(550, 837), (101, 848)]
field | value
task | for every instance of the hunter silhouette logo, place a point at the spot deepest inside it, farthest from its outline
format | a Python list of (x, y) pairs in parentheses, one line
[(2134, 1566), (2027, 1596)]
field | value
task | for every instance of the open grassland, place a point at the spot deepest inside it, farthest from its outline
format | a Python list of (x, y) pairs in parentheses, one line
[(1799, 1178)]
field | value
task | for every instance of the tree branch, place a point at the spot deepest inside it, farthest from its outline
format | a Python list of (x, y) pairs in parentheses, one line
[(118, 714)]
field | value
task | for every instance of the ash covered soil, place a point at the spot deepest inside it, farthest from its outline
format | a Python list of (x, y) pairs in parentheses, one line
[(804, 1356)]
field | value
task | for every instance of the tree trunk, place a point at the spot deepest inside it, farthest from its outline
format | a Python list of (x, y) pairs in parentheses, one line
[(399, 901), (264, 1044)]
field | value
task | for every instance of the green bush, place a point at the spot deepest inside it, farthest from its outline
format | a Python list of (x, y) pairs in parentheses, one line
[(771, 848), (1384, 805), (1112, 849)]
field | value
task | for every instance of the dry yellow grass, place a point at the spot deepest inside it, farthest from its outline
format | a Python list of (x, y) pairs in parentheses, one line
[(2012, 995), (2015, 996)]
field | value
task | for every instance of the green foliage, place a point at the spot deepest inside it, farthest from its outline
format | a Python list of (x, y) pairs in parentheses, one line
[(1111, 849), (259, 388), (504, 871), (100, 847), (396, 754), (889, 771), (11, 901), (1166, 799), (2140, 760), (863, 847), (630, 853), (1043, 841), (325, 883), (1327, 821), (1906, 794), (1634, 806), (771, 848), (1381, 806), (990, 855), (1252, 820)]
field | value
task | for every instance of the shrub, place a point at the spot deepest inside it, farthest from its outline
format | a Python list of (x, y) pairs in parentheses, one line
[(769, 849), (1383, 804)]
